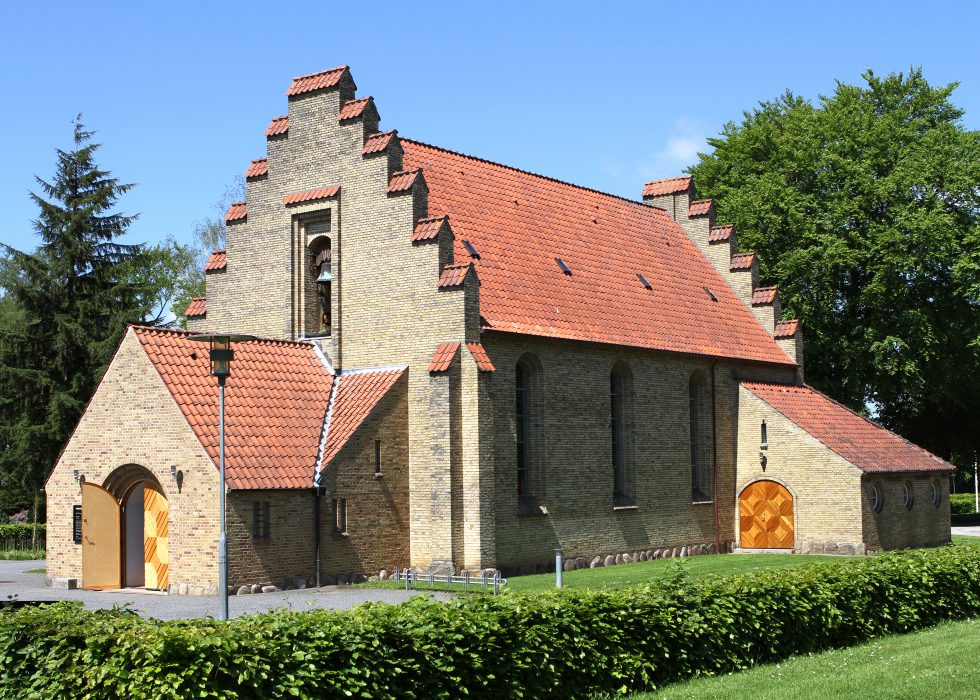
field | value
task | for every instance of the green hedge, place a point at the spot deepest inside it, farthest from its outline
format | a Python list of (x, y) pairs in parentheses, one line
[(961, 503), (20, 537), (548, 645)]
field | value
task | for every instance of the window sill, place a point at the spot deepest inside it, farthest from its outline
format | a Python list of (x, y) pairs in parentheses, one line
[(337, 533), (702, 503), (528, 507), (633, 507)]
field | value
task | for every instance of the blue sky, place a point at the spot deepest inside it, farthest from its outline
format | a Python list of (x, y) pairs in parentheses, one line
[(605, 95)]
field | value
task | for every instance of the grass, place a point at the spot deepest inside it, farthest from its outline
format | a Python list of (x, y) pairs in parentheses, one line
[(21, 554), (36, 571), (934, 663)]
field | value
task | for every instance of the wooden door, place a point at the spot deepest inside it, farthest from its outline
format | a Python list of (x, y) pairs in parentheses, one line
[(156, 554), (101, 539), (765, 511)]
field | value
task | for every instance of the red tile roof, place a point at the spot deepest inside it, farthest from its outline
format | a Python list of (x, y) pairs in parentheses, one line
[(236, 212), (257, 168), (376, 143), (279, 126), (520, 222), (217, 261), (275, 404), (443, 357), (403, 180), (481, 358), (742, 261), (699, 207), (311, 195), (672, 185), (454, 275), (786, 329), (719, 234), (316, 81), (764, 295), (860, 441), (354, 108), (427, 229), (197, 307), (357, 393)]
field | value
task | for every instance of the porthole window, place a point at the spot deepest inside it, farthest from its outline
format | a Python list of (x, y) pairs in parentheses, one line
[(907, 498), (937, 493), (875, 496)]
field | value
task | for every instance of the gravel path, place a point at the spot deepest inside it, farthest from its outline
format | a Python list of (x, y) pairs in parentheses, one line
[(15, 582)]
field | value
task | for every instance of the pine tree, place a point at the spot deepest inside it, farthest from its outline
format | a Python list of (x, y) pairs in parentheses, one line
[(74, 296)]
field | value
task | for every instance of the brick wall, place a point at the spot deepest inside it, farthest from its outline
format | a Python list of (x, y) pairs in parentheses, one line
[(925, 524)]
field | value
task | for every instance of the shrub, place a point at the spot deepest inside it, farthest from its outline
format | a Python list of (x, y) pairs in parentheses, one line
[(545, 645), (20, 537), (961, 503)]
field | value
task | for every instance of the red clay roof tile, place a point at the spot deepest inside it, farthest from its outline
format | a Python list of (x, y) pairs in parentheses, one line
[(354, 108), (861, 442), (311, 195), (742, 261), (699, 207), (454, 275), (357, 394), (376, 143), (786, 329), (427, 229), (198, 307), (480, 357), (236, 212), (316, 81), (278, 127), (443, 357), (671, 185), (764, 295), (403, 180), (275, 404), (719, 234), (257, 168), (518, 220), (217, 261)]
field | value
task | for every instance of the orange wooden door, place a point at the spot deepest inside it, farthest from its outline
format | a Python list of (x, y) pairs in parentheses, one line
[(156, 554), (101, 539), (765, 511)]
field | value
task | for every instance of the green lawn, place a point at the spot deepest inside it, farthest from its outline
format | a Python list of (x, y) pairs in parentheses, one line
[(21, 555), (939, 662)]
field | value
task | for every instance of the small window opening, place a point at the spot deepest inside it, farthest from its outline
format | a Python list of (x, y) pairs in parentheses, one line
[(340, 515), (564, 266), (937, 494), (874, 495), (643, 281), (765, 435), (471, 249), (377, 458), (908, 497), (260, 520), (711, 294)]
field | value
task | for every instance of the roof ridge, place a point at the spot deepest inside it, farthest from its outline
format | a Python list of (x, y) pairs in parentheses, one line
[(369, 370), (532, 174), (321, 72), (184, 331)]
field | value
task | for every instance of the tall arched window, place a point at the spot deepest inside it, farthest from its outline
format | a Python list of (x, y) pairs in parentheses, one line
[(321, 276), (702, 438), (523, 415), (620, 423), (527, 419)]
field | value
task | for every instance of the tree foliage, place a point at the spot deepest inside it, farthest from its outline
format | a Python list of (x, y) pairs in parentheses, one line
[(865, 209)]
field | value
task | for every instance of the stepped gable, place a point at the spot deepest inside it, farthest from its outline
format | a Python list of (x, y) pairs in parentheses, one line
[(236, 212), (257, 168), (218, 260), (520, 222), (862, 442), (357, 393), (197, 308), (275, 402)]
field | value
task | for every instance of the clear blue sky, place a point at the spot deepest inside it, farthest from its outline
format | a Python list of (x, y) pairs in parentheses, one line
[(602, 94)]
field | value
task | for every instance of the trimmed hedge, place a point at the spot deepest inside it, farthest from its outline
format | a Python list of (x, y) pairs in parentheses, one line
[(20, 535), (961, 503), (547, 645)]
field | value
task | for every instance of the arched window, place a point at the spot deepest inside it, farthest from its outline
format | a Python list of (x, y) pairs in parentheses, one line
[(620, 423), (527, 419), (702, 438), (321, 277)]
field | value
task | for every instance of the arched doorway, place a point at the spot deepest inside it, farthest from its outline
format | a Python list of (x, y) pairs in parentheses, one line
[(125, 531), (765, 510)]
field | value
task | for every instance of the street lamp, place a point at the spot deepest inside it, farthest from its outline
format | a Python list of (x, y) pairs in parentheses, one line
[(221, 356)]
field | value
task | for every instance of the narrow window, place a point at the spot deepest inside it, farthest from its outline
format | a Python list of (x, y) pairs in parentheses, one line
[(619, 423), (937, 494), (377, 458), (522, 391), (765, 436), (908, 497), (260, 520), (701, 439), (321, 279), (340, 515), (874, 496)]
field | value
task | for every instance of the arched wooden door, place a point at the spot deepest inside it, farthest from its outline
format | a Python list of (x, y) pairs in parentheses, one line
[(156, 530), (765, 511), (101, 539)]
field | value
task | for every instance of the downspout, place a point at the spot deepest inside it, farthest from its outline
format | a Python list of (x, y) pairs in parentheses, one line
[(714, 456), (317, 495)]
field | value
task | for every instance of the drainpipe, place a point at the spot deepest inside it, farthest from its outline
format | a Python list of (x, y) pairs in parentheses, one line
[(318, 492), (714, 456)]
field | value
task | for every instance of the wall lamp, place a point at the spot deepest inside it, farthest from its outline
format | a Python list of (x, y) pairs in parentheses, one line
[(79, 478), (177, 475)]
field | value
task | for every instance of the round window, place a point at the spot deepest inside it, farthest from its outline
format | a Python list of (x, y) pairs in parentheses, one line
[(907, 497), (937, 493), (875, 496)]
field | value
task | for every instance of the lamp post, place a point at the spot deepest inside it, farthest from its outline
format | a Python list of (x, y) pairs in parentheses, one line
[(221, 356)]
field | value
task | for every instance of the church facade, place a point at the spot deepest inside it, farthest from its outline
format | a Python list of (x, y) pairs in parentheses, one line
[(464, 365)]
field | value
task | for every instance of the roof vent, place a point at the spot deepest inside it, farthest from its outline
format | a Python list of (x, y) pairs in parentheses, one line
[(710, 294), (471, 249), (643, 280), (564, 267)]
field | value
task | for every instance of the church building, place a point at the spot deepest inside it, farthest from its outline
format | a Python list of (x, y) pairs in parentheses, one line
[(462, 365)]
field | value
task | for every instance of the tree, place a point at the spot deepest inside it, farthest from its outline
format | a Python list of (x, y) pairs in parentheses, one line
[(65, 308), (865, 210)]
